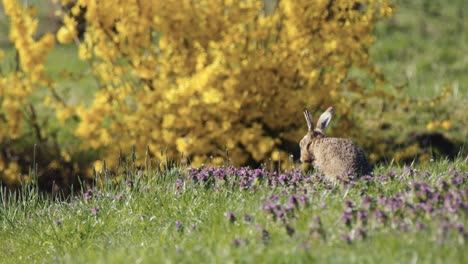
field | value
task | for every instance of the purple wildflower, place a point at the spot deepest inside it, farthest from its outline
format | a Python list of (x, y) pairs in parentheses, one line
[(346, 217), (239, 242), (347, 238), (460, 227), (362, 233), (88, 195), (458, 181), (95, 210), (443, 185), (289, 209), (231, 217), (409, 171), (420, 225), (236, 242), (404, 227), (280, 214), (395, 204), (366, 202), (179, 226), (265, 236), (381, 216), (129, 184), (303, 200), (119, 196), (293, 200), (349, 204), (384, 201), (274, 198), (382, 178), (343, 179), (283, 178), (180, 184), (269, 207), (362, 216), (247, 218)]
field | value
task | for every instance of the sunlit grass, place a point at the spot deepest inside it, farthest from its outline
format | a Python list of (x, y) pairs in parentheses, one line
[(424, 47), (165, 216)]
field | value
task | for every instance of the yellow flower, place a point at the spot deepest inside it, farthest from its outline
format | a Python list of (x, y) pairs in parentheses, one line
[(182, 145), (431, 126), (83, 52), (65, 155), (104, 137), (64, 114), (212, 96), (330, 45), (66, 35), (54, 165), (447, 124), (98, 164), (275, 155)]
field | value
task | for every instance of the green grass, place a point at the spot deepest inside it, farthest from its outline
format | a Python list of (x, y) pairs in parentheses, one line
[(138, 224), (424, 47)]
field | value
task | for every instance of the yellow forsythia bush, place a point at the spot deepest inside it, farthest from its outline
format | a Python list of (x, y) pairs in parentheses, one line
[(17, 87), (199, 79)]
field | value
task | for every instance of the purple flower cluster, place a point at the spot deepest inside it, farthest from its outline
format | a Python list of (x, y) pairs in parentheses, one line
[(284, 211), (351, 209), (95, 210), (89, 194), (246, 178), (416, 206), (94, 193), (413, 209)]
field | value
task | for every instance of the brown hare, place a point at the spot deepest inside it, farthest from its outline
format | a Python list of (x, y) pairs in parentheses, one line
[(333, 157)]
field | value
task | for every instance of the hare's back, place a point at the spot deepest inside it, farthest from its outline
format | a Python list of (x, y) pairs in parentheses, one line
[(340, 156)]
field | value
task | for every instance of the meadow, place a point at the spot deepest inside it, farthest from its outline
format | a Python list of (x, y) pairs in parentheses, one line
[(179, 215), (174, 213)]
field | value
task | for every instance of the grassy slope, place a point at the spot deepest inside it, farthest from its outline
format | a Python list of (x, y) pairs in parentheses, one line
[(425, 47), (140, 226)]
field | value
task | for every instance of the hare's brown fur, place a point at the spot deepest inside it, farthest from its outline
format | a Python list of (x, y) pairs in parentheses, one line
[(332, 156)]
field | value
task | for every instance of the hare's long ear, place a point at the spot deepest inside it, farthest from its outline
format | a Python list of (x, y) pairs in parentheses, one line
[(324, 119), (309, 119)]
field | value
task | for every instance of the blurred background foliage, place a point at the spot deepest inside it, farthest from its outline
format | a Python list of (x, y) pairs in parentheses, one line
[(402, 97)]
